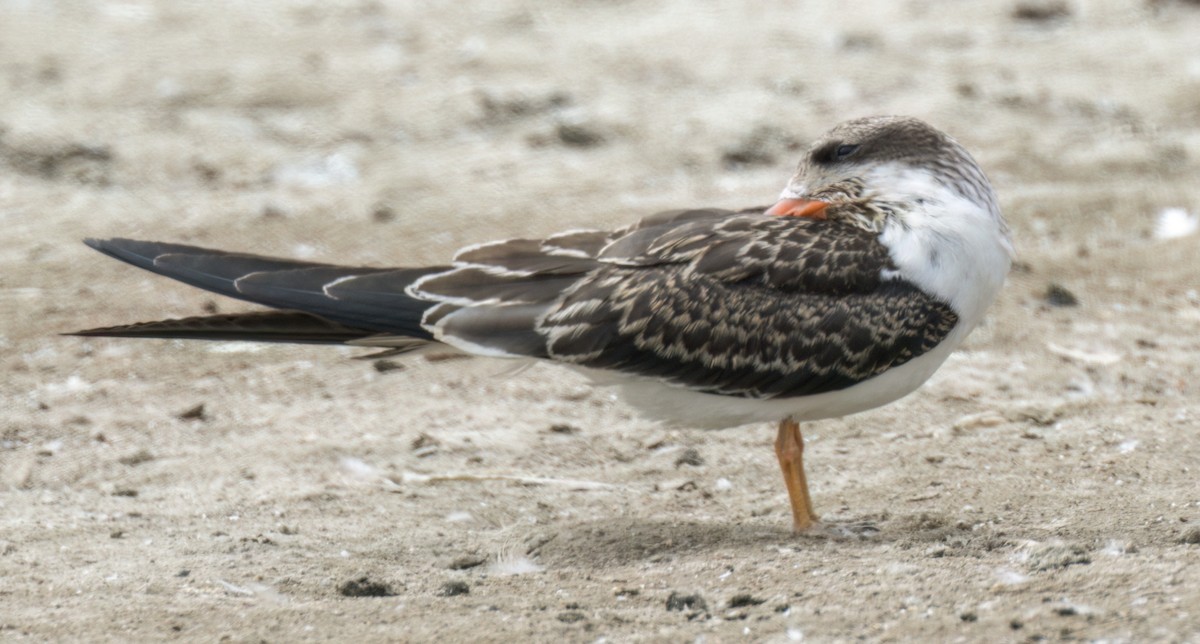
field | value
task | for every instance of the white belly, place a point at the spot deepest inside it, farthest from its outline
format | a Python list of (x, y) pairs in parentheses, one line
[(684, 408)]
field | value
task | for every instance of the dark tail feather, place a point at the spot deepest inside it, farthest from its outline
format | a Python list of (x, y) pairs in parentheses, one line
[(212, 270), (359, 299), (264, 326)]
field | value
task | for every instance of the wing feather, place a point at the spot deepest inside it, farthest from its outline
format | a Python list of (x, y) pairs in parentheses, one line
[(259, 326), (362, 298), (757, 307)]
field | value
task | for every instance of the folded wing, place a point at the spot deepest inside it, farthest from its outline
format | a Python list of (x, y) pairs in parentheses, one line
[(717, 301)]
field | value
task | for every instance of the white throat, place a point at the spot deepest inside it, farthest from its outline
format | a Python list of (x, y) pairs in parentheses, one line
[(949, 246)]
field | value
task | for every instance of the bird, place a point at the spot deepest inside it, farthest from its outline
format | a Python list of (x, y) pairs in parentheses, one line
[(883, 251)]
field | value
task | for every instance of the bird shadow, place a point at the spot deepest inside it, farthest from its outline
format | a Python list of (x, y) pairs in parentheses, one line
[(622, 541)]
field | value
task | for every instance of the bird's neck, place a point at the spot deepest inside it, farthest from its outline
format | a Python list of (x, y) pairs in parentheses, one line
[(951, 247)]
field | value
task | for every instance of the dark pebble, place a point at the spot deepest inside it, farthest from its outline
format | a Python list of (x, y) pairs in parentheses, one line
[(690, 456), (1058, 295), (424, 440), (501, 108), (454, 588), (193, 413), (364, 587), (383, 213), (740, 601), (137, 458), (578, 135), (384, 366), (677, 601), (1041, 10)]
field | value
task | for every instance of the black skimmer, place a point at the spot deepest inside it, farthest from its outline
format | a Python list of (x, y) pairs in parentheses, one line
[(883, 252)]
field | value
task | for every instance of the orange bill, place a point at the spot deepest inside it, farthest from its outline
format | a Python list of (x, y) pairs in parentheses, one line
[(799, 208)]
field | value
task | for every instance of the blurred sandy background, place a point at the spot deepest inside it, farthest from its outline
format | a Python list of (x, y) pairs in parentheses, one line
[(1042, 486)]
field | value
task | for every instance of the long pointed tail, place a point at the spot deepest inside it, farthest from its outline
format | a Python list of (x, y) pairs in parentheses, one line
[(319, 303), (259, 326)]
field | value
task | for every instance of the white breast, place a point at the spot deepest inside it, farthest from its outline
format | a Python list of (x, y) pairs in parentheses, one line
[(949, 246)]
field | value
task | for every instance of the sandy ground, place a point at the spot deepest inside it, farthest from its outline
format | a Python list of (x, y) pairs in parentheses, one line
[(1043, 486)]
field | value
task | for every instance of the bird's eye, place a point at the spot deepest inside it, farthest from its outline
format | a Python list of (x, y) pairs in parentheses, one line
[(844, 151)]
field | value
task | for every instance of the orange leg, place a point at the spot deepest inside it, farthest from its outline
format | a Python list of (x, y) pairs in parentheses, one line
[(789, 448)]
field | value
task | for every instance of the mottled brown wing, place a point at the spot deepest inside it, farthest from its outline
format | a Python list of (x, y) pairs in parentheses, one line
[(733, 303), (493, 299), (758, 307)]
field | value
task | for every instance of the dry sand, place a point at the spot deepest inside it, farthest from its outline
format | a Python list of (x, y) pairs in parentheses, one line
[(1042, 486)]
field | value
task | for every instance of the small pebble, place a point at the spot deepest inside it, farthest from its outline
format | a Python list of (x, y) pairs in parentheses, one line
[(454, 588), (680, 602), (137, 458), (425, 444), (364, 587), (1050, 556), (385, 366), (1041, 10), (193, 413), (741, 601), (690, 456), (1058, 295), (579, 135), (467, 561), (383, 213)]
